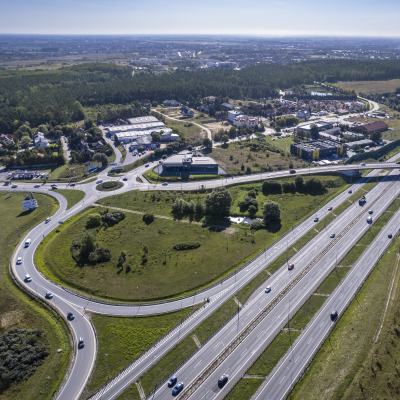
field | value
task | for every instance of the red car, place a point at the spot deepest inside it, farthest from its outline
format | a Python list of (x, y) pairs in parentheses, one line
[(292, 171), (330, 208), (72, 184), (290, 267)]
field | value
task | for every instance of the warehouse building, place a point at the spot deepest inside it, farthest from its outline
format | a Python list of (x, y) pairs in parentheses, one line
[(183, 164), (130, 136), (318, 149), (142, 120), (321, 125)]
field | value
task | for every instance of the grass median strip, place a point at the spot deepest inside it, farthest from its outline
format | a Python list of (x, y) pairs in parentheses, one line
[(73, 196), (131, 393), (244, 389), (332, 280), (125, 338), (306, 312)]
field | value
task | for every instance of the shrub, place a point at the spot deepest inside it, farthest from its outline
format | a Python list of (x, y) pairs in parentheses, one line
[(271, 211), (271, 187), (256, 225), (94, 221), (186, 246), (112, 218), (148, 218), (99, 255), (109, 185)]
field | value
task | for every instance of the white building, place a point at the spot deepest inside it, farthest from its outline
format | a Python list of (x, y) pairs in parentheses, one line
[(40, 140), (227, 105), (142, 120), (171, 103), (131, 136), (243, 121), (303, 114), (233, 114)]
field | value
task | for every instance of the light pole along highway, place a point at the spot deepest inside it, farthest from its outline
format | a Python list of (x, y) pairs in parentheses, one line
[(70, 302)]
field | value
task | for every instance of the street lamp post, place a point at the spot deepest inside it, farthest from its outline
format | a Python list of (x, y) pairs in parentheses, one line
[(105, 360)]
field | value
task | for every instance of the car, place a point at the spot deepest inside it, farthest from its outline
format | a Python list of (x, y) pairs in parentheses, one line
[(146, 165), (332, 235), (28, 278), (81, 343), (49, 295), (172, 381), (72, 184), (124, 179), (70, 316), (398, 162), (316, 219), (177, 388), (370, 212), (290, 266), (334, 315), (363, 164), (54, 187), (37, 186), (369, 219), (100, 181), (330, 208), (14, 186), (28, 242), (390, 236), (223, 380), (47, 220), (19, 260), (350, 191), (292, 171), (165, 184), (267, 289)]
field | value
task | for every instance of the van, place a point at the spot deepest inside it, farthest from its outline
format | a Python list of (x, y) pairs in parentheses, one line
[(28, 242)]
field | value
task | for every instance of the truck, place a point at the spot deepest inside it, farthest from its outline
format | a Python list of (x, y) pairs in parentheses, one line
[(362, 201)]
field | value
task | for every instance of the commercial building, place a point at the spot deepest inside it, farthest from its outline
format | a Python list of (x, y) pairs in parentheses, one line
[(182, 164), (321, 125), (142, 120), (353, 136), (317, 149), (130, 136), (376, 126), (233, 114), (361, 143)]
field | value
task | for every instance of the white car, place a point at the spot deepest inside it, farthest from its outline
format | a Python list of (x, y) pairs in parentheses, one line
[(49, 295), (100, 181), (267, 289), (19, 260), (28, 278)]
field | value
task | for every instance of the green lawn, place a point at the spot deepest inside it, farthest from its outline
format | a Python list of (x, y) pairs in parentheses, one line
[(20, 310), (73, 196), (166, 365), (350, 366), (371, 86), (64, 173), (188, 130), (253, 284), (332, 280), (131, 393), (123, 152), (244, 389), (218, 318), (273, 353), (306, 312), (123, 339)]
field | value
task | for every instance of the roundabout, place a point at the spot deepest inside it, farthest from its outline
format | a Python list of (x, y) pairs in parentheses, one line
[(109, 186)]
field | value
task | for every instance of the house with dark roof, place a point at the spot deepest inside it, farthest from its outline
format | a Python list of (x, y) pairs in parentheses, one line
[(375, 126)]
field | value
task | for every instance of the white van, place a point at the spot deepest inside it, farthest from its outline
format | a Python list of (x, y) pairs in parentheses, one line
[(28, 242)]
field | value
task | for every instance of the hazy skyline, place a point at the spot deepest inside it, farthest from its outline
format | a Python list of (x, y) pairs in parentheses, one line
[(253, 17)]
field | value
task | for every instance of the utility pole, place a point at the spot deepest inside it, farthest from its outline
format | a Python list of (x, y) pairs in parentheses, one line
[(105, 360)]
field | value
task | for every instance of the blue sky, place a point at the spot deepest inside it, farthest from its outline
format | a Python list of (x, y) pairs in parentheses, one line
[(252, 17)]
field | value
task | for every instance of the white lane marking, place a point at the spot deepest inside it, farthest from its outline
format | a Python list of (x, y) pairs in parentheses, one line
[(310, 341), (243, 353), (282, 379)]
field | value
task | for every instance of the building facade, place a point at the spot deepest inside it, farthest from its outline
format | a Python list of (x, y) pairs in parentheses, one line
[(316, 149), (182, 164)]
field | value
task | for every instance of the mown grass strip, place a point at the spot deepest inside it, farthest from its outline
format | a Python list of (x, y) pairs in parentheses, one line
[(244, 389), (332, 280), (325, 222), (306, 312), (217, 319), (73, 196)]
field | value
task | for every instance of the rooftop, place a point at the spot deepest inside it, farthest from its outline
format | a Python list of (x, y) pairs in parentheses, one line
[(142, 120), (318, 145)]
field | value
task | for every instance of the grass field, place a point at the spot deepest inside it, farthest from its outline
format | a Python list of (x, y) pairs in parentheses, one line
[(306, 312), (244, 389), (19, 310), (73, 196), (123, 339), (131, 393), (190, 131), (232, 158), (332, 280), (371, 86), (64, 173), (356, 368)]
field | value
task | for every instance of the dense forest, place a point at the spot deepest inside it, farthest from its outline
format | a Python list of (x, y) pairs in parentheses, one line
[(61, 95)]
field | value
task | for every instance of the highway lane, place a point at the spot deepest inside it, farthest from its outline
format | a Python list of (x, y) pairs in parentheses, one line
[(91, 196), (292, 366), (237, 362)]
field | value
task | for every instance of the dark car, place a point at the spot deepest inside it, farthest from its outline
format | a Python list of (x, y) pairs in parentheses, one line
[(177, 388), (390, 236), (316, 219), (172, 381), (81, 343), (70, 316), (290, 267), (334, 315), (124, 179), (223, 380)]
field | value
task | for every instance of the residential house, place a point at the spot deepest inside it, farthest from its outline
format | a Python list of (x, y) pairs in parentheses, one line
[(243, 121), (187, 112), (209, 99), (8, 139), (171, 103), (145, 102), (227, 105), (372, 127), (303, 114), (97, 145), (2, 148), (233, 114), (79, 130), (39, 140)]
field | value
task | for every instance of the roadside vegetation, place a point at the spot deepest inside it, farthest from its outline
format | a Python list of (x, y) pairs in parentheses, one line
[(73, 196), (18, 310)]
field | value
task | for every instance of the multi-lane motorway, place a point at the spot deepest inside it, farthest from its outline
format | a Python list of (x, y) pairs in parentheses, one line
[(69, 302)]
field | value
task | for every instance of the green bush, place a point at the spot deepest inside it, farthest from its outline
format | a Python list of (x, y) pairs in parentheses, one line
[(112, 218), (148, 218), (94, 220), (109, 185), (186, 246)]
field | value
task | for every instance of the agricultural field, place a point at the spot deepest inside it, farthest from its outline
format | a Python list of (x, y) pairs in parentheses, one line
[(18, 310), (371, 86)]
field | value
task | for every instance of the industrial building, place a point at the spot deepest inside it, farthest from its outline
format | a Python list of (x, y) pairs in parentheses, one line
[(130, 136), (321, 125), (317, 149), (184, 164), (361, 143), (142, 120), (150, 126)]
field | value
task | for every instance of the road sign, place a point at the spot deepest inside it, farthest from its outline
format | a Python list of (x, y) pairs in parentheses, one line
[(29, 204)]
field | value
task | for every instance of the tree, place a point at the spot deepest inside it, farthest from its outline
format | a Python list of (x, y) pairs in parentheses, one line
[(225, 138), (25, 142), (218, 202), (252, 210), (156, 136), (148, 218), (94, 220), (314, 130), (299, 182), (116, 141), (232, 132), (271, 187), (207, 143), (102, 158), (271, 211)]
